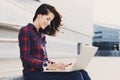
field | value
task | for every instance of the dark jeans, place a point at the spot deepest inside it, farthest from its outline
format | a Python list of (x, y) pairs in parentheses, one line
[(75, 75)]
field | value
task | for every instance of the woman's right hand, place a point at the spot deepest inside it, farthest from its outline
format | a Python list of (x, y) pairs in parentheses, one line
[(60, 66)]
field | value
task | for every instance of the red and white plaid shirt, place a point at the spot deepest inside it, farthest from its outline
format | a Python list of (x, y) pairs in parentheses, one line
[(32, 48)]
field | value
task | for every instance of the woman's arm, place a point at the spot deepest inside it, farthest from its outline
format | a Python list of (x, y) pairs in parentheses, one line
[(25, 48)]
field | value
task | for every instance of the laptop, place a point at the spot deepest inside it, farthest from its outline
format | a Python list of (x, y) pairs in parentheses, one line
[(80, 62)]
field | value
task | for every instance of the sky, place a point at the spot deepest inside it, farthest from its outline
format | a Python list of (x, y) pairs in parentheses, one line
[(107, 12)]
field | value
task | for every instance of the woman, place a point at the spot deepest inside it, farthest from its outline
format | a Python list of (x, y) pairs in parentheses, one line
[(33, 51)]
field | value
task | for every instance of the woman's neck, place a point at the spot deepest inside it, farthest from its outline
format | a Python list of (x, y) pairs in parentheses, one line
[(35, 23)]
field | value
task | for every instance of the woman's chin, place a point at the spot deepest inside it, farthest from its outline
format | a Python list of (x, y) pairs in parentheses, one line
[(43, 27)]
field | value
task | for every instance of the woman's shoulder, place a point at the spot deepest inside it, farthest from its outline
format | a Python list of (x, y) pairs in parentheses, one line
[(25, 28)]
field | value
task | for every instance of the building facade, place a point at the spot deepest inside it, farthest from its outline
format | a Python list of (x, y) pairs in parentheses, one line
[(107, 39)]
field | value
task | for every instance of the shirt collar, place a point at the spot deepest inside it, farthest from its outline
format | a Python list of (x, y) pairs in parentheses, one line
[(32, 26)]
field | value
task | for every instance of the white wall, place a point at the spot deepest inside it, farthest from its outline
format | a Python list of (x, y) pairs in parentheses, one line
[(77, 18), (77, 14)]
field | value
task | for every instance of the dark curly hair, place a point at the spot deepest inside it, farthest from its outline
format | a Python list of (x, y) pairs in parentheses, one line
[(51, 29)]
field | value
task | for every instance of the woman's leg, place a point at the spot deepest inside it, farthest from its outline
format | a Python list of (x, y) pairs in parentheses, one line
[(85, 75), (76, 75)]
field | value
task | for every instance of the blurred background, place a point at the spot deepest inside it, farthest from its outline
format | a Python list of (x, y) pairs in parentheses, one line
[(86, 22), (17, 13)]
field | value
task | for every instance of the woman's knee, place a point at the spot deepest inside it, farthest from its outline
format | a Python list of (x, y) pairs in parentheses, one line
[(85, 75)]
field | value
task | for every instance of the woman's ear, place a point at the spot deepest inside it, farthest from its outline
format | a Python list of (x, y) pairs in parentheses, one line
[(39, 15)]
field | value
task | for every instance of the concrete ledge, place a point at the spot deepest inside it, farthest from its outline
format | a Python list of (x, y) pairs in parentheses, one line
[(100, 68), (14, 78)]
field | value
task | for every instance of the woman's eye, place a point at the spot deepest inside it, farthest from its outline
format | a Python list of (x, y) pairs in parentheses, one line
[(48, 19)]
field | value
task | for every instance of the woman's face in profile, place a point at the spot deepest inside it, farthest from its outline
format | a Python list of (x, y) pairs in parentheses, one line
[(45, 20)]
